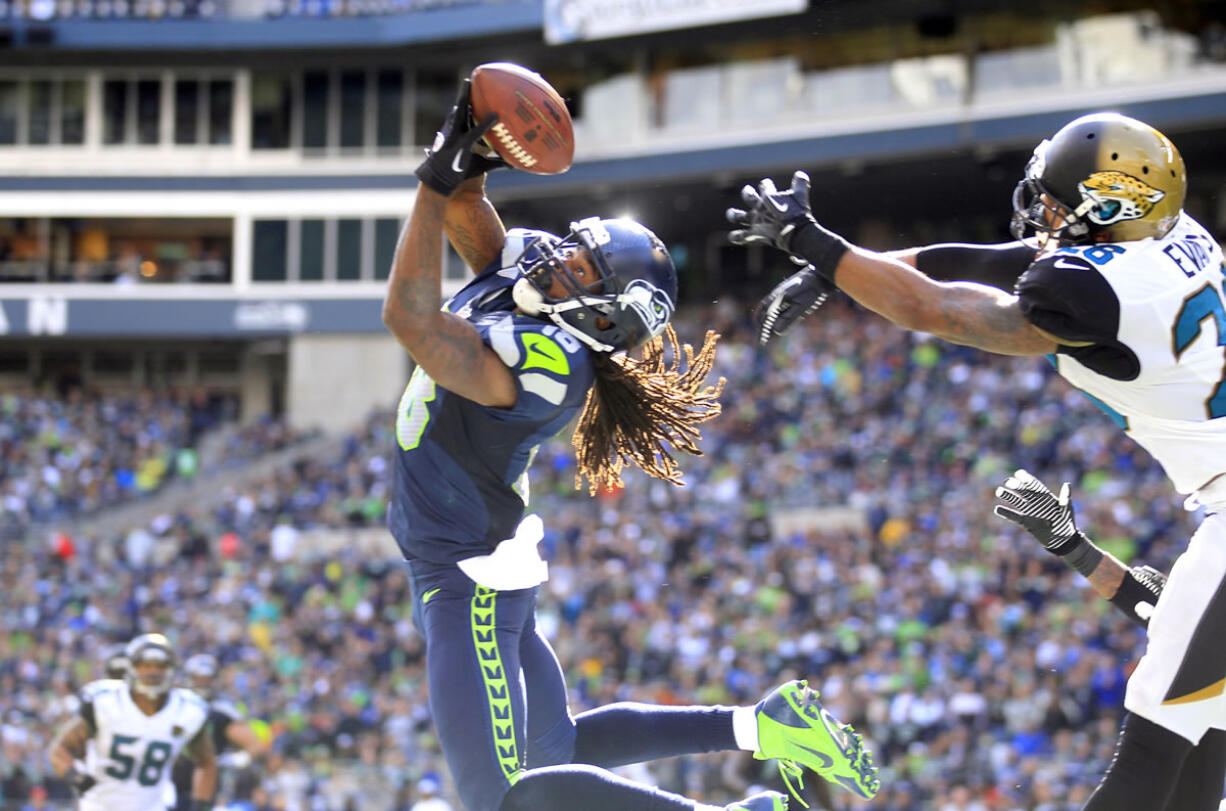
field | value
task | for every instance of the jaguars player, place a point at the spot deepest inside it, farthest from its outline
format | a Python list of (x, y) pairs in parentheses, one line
[(139, 725), (235, 740), (540, 335), (1123, 292)]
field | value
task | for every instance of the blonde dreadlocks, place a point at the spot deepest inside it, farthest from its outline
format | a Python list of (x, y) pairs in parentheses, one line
[(636, 406)]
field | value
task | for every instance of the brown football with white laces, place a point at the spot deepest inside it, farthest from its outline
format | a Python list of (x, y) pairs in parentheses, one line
[(534, 130)]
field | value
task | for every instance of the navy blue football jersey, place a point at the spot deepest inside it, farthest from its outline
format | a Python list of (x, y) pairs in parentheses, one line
[(461, 467)]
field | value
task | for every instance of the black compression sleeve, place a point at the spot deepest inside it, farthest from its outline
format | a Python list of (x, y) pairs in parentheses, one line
[(996, 265), (1138, 593), (1200, 782)]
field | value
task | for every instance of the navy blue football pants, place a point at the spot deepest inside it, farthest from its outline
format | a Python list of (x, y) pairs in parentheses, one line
[(498, 698)]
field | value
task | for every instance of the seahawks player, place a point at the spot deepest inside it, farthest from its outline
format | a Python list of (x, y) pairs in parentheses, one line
[(1123, 291), (139, 726), (538, 336), (235, 742)]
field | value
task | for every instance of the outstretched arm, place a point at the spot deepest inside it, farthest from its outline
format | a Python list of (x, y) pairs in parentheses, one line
[(1049, 518), (961, 312)]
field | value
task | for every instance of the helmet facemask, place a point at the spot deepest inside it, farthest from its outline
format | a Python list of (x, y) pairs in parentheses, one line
[(610, 313), (1037, 209)]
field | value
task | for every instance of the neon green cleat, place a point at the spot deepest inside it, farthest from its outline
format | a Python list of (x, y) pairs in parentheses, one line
[(795, 729), (766, 801)]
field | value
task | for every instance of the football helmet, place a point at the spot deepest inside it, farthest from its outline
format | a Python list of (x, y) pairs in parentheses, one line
[(150, 648), (115, 663), (200, 670), (632, 300), (1103, 177)]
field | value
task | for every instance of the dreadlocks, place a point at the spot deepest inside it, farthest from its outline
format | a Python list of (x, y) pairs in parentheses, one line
[(635, 406)]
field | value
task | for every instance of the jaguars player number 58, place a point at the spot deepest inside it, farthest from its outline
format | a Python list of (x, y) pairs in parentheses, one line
[(139, 726)]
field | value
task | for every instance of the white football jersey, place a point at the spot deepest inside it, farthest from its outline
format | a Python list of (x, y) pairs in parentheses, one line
[(1172, 316), (134, 752)]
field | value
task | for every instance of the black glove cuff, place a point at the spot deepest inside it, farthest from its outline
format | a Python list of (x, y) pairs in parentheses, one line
[(819, 247), (1080, 553), (431, 179)]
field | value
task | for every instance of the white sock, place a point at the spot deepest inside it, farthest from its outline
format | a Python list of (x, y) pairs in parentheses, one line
[(745, 728)]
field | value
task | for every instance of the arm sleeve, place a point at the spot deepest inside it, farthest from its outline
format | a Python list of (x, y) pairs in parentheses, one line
[(1067, 296), (995, 265)]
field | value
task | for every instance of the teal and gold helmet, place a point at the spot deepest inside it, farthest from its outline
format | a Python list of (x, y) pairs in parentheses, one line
[(1103, 177)]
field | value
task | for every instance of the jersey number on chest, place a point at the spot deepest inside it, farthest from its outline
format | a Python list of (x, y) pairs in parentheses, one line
[(413, 414), (1204, 304), (127, 761)]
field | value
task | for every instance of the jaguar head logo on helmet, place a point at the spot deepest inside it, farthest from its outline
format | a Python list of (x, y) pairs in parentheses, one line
[(1103, 177), (631, 301), (151, 665)]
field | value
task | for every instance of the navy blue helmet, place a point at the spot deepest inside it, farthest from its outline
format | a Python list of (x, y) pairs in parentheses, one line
[(632, 300)]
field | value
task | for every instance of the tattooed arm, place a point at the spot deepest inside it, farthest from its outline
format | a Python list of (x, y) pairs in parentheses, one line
[(472, 224), (448, 348), (960, 312), (69, 745)]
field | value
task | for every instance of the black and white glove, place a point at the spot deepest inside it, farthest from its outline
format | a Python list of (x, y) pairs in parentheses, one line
[(1034, 508), (80, 780), (796, 297), (1049, 518), (458, 152), (770, 216)]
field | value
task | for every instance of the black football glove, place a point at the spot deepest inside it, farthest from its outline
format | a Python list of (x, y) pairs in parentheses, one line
[(1034, 508), (80, 781), (452, 159), (794, 298), (771, 216)]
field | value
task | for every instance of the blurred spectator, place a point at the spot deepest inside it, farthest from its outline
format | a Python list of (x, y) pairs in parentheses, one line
[(838, 528)]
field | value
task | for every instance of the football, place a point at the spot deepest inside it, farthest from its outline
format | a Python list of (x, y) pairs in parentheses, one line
[(534, 130)]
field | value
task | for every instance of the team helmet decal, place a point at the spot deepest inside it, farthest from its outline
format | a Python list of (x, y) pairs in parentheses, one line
[(1116, 196)]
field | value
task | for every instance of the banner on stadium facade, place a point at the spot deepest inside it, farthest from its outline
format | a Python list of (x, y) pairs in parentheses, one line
[(55, 316), (575, 20)]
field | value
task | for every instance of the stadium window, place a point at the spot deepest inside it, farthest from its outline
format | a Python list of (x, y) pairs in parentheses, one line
[(72, 111), (8, 112), (148, 110), (114, 111), (39, 119), (268, 250), (221, 111), (15, 362), (387, 232), (311, 251), (353, 109), (348, 250), (219, 362), (315, 87), (187, 111), (112, 362), (389, 109), (434, 93), (271, 96)]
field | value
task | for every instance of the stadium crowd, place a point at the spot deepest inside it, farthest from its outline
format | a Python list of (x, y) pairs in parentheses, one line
[(71, 454), (986, 675)]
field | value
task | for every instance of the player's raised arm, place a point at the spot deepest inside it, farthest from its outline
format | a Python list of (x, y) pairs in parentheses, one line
[(960, 312), (448, 348)]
